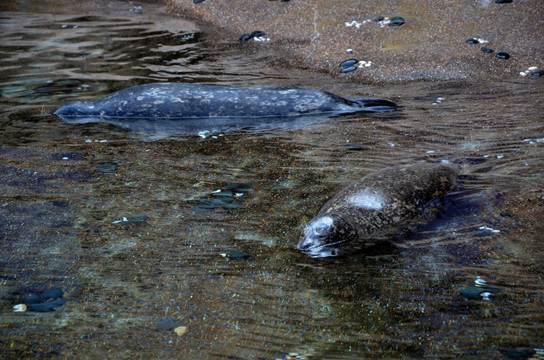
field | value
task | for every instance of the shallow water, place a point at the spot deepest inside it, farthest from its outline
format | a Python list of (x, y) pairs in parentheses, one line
[(67, 189)]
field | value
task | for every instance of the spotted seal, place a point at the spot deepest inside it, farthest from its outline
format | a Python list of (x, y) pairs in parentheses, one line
[(375, 206), (222, 104)]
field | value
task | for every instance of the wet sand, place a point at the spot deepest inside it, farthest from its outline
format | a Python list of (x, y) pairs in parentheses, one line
[(430, 45)]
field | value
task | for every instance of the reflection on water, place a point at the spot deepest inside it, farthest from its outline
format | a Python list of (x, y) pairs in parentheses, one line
[(116, 221)]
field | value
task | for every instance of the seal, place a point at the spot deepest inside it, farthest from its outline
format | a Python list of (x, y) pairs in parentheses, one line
[(223, 104), (375, 207)]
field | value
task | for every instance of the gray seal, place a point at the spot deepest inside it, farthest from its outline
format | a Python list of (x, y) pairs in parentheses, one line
[(212, 104), (375, 207)]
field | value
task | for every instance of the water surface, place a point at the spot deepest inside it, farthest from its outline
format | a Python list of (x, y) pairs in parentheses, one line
[(129, 227)]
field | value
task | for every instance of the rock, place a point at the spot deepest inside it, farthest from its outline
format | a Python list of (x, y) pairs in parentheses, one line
[(348, 63), (503, 56), (487, 50), (348, 69), (397, 21), (167, 324)]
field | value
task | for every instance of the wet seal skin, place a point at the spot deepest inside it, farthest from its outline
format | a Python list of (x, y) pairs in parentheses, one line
[(375, 206), (185, 101)]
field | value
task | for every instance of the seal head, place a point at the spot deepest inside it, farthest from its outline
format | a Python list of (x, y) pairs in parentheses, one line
[(324, 233)]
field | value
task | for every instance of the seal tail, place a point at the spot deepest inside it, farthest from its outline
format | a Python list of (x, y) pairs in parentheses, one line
[(375, 105)]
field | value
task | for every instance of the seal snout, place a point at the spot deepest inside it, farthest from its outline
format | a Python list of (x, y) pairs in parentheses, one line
[(316, 233)]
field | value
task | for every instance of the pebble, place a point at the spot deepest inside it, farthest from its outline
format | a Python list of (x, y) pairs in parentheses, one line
[(397, 21), (167, 324), (257, 33), (245, 37), (538, 73), (503, 56), (472, 41), (180, 330), (229, 197), (197, 1), (348, 69), (487, 50), (49, 300), (235, 255), (348, 63), (503, 1), (107, 168)]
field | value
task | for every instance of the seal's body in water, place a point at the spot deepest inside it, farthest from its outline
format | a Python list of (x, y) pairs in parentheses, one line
[(185, 101), (375, 206)]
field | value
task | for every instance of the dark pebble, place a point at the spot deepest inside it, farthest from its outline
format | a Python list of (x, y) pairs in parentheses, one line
[(487, 50), (257, 33), (53, 293), (503, 1), (232, 206), (348, 69), (503, 56), (47, 306), (538, 73), (245, 37), (60, 203), (354, 147), (379, 18), (519, 353), (167, 324), (397, 21), (237, 255), (107, 168), (31, 298), (472, 41), (472, 292), (68, 156), (348, 63), (350, 51), (197, 1)]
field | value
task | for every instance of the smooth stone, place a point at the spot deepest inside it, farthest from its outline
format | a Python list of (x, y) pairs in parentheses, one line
[(487, 50), (503, 56), (503, 1), (198, 1), (473, 41), (348, 63), (167, 324), (245, 37), (53, 293), (472, 292), (519, 353), (31, 298), (237, 255), (538, 73), (106, 168), (257, 33), (348, 69), (47, 306), (397, 21)]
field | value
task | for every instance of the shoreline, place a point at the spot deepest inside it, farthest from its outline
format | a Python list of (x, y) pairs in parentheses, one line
[(430, 44)]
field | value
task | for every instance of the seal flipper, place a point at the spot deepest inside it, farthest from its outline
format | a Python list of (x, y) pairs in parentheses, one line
[(375, 105)]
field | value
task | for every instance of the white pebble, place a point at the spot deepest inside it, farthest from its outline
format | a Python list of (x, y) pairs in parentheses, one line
[(430, 152), (20, 308), (500, 156), (533, 68), (485, 295), (479, 281), (391, 144), (88, 141), (523, 73), (440, 99)]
